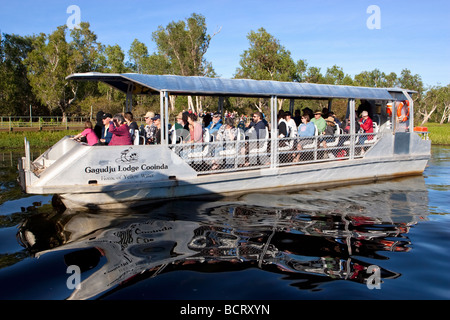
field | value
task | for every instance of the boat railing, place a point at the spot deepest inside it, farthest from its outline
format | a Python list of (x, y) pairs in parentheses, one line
[(229, 156)]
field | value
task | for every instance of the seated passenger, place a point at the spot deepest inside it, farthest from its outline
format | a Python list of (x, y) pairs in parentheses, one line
[(106, 135), (131, 124), (120, 131), (367, 126), (330, 130), (305, 129), (256, 128), (228, 132), (157, 122), (150, 129), (283, 130), (195, 129), (215, 124), (292, 126), (319, 122), (88, 133)]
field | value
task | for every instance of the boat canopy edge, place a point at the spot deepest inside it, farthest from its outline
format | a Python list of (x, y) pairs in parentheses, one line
[(203, 86)]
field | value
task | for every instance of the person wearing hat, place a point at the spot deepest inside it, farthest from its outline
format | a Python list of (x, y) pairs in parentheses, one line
[(319, 121), (157, 122), (367, 125), (330, 130), (215, 124), (149, 129), (292, 126), (106, 134)]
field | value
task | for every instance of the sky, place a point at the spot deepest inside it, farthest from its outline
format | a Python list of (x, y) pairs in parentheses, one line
[(356, 35)]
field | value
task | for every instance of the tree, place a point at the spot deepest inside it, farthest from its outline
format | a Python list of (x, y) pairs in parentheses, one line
[(53, 59), (15, 91), (184, 44), (437, 100), (138, 54), (266, 59)]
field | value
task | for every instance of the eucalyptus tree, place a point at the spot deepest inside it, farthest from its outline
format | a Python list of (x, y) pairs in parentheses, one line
[(267, 59), (181, 47), (184, 45), (53, 58)]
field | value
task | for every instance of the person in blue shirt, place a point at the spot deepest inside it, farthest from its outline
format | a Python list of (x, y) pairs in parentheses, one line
[(106, 135), (305, 129), (215, 124)]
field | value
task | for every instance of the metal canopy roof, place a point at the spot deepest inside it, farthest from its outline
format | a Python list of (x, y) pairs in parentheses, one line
[(194, 85)]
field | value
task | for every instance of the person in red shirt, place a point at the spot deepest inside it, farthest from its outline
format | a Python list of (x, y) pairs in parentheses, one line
[(120, 131), (367, 125)]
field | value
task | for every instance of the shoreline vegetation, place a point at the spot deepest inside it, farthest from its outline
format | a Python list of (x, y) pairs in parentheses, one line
[(439, 134)]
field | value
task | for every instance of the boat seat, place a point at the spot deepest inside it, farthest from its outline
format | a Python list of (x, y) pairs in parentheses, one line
[(233, 151), (336, 138), (263, 147), (313, 144), (137, 138), (290, 142), (374, 137), (205, 150)]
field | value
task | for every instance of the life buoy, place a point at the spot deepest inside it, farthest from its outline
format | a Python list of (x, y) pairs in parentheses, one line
[(403, 116), (389, 109)]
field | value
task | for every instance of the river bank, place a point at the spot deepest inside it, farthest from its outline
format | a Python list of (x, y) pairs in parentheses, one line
[(438, 134)]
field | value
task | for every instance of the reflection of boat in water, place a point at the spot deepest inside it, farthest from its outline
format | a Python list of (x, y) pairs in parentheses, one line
[(86, 176), (312, 237)]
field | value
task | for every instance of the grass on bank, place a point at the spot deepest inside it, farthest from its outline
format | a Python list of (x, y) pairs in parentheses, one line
[(38, 139), (439, 135)]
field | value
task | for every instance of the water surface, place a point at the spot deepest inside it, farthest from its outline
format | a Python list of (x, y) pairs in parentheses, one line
[(384, 240)]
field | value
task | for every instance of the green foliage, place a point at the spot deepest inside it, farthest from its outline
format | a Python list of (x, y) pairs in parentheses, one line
[(184, 44), (33, 71), (266, 59)]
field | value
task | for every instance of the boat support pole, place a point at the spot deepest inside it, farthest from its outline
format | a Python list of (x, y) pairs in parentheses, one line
[(164, 114), (273, 132), (129, 99), (351, 107), (411, 116)]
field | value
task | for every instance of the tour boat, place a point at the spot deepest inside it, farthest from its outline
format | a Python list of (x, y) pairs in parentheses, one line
[(102, 177)]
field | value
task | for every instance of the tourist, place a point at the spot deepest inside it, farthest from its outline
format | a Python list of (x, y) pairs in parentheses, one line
[(228, 132), (330, 130), (215, 124), (306, 129), (99, 124), (256, 128), (195, 129), (149, 129), (88, 134), (297, 117), (120, 131), (319, 121), (366, 125), (131, 124), (106, 134), (157, 122), (292, 126)]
